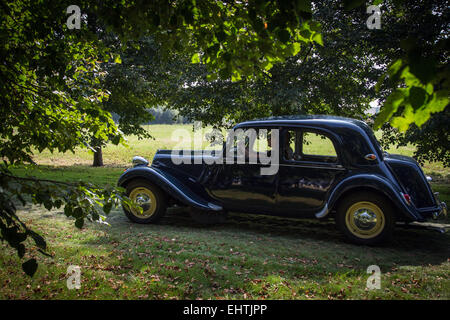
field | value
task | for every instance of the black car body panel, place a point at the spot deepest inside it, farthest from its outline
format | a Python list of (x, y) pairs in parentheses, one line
[(303, 188), (182, 190)]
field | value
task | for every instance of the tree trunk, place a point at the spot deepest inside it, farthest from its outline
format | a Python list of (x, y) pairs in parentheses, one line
[(98, 157)]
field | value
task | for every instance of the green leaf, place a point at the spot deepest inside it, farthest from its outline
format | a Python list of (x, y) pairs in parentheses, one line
[(439, 101), (394, 68), (417, 97), (389, 108), (318, 38), (117, 59), (38, 239), (306, 34), (235, 77), (68, 210), (79, 223), (424, 69), (30, 267), (21, 250), (195, 58), (295, 48), (77, 212), (107, 207), (401, 123)]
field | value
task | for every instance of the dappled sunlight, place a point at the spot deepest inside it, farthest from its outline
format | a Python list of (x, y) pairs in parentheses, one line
[(247, 257)]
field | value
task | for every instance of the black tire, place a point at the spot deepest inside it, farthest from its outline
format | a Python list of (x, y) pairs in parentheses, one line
[(207, 217), (370, 231), (146, 188)]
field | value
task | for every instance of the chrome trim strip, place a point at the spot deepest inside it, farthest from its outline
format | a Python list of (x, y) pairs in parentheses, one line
[(313, 167), (322, 213)]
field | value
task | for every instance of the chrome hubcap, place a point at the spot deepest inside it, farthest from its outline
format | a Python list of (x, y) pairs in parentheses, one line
[(365, 219), (143, 201)]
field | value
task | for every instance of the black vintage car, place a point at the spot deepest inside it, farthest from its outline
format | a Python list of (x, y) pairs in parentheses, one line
[(348, 177)]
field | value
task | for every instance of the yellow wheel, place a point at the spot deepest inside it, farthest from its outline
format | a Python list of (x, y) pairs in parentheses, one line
[(146, 199), (149, 198), (365, 218)]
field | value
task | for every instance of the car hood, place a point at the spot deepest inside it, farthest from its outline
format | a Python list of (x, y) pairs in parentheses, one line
[(189, 163)]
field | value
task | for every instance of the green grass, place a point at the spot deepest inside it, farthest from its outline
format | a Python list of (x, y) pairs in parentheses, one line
[(74, 173), (248, 257)]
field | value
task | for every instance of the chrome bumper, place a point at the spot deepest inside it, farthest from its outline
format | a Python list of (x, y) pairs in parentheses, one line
[(442, 213)]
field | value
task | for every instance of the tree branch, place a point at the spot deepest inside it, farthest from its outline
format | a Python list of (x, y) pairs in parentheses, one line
[(38, 180)]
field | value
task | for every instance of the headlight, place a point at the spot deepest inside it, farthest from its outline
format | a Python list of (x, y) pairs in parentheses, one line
[(139, 161)]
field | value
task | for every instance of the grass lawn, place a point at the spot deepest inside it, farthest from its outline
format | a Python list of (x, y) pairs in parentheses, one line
[(248, 257)]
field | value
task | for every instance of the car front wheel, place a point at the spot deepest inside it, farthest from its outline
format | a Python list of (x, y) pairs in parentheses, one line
[(366, 218), (150, 198)]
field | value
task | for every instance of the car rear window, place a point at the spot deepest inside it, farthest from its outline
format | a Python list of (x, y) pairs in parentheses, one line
[(308, 145)]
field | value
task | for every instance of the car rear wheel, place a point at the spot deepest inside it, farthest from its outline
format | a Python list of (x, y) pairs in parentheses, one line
[(366, 218), (150, 198)]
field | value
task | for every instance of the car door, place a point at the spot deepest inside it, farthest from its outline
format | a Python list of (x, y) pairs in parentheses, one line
[(242, 186), (310, 166)]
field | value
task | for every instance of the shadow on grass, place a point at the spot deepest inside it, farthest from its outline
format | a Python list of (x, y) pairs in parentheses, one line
[(408, 246)]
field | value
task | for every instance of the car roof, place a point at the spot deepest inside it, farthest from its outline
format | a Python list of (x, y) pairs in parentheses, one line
[(361, 132), (319, 120)]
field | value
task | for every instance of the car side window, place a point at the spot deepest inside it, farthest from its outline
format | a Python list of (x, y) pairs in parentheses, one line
[(308, 145), (317, 147)]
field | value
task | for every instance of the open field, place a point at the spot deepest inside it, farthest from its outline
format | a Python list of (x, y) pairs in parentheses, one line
[(247, 257), (167, 137)]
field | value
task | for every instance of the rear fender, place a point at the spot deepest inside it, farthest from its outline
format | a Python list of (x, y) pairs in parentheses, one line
[(171, 185), (378, 184)]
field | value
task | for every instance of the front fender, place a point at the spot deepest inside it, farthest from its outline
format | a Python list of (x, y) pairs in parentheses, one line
[(379, 184), (171, 185)]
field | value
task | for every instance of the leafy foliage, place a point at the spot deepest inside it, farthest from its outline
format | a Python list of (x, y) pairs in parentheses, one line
[(80, 200), (419, 69), (316, 80), (233, 38), (50, 97), (129, 90), (432, 140)]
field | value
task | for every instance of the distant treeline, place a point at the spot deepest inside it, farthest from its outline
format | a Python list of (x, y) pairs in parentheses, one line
[(162, 116)]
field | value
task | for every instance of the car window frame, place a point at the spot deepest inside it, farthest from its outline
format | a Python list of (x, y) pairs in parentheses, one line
[(268, 127), (320, 131)]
